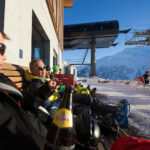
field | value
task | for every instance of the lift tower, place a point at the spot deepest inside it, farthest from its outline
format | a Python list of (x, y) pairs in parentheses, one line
[(90, 36), (140, 38)]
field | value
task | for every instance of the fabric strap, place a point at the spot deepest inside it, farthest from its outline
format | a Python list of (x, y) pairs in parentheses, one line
[(10, 89)]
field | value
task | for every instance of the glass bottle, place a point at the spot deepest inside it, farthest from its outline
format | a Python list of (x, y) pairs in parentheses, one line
[(61, 132)]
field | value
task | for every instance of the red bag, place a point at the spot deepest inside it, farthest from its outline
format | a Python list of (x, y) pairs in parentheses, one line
[(131, 143)]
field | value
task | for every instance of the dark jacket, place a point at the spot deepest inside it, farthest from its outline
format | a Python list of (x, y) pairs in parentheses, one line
[(146, 80), (39, 91), (19, 129)]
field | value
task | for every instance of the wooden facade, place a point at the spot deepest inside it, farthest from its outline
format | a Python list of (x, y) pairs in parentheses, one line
[(56, 9)]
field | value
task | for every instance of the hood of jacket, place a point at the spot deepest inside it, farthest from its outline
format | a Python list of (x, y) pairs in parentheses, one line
[(29, 76)]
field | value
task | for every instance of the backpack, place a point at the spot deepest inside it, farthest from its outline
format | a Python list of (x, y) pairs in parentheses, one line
[(19, 129), (80, 108), (87, 131), (122, 113), (107, 123)]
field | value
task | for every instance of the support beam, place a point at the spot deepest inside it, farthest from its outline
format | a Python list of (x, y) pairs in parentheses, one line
[(142, 42), (93, 60), (68, 3), (85, 55)]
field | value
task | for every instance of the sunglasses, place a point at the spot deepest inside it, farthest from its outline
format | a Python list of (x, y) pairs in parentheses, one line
[(41, 68), (2, 49)]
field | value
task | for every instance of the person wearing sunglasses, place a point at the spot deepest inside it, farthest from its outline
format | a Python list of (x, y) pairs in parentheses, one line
[(41, 90), (2, 48), (20, 128)]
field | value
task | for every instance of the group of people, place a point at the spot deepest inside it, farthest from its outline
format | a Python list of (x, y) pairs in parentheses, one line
[(41, 91), (22, 123), (20, 126)]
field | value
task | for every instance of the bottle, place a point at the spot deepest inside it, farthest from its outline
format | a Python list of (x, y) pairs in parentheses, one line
[(61, 131)]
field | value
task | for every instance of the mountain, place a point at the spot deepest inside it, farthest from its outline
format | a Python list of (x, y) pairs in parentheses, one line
[(125, 65)]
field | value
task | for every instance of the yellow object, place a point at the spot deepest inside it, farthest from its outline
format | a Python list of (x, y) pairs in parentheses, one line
[(28, 76), (63, 118), (81, 90), (54, 96)]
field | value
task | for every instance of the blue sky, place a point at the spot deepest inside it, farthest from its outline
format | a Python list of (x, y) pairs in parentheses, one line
[(133, 14)]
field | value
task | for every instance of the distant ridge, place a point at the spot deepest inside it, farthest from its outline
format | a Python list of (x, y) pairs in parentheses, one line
[(125, 65)]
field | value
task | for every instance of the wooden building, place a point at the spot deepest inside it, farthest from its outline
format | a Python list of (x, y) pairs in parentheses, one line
[(35, 28)]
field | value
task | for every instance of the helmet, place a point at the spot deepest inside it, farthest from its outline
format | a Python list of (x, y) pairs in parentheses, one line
[(123, 102), (76, 84), (87, 129), (55, 69)]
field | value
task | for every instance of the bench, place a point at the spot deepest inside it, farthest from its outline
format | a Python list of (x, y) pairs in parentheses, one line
[(140, 79), (16, 74)]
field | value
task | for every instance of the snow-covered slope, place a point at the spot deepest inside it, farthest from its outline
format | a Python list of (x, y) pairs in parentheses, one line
[(125, 65)]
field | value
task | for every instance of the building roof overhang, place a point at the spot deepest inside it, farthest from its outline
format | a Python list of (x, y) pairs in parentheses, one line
[(68, 3), (79, 36)]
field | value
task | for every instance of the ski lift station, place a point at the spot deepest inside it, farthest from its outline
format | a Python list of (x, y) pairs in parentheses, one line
[(37, 30)]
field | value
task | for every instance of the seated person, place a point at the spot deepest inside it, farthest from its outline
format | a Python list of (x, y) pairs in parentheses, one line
[(80, 89), (145, 77), (60, 71), (41, 90), (19, 128), (57, 70)]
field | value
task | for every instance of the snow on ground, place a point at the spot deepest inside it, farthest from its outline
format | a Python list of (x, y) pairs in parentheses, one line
[(137, 95)]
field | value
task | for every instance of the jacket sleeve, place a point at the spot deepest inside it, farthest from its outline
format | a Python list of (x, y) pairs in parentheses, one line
[(44, 91), (39, 92)]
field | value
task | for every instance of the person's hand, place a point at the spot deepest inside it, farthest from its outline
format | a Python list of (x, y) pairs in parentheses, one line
[(52, 83), (57, 80), (57, 86)]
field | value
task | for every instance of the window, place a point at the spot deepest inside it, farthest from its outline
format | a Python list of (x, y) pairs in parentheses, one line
[(65, 70), (20, 53), (2, 9), (40, 41), (54, 58)]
